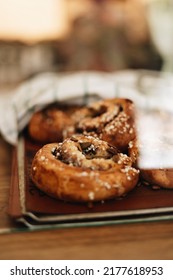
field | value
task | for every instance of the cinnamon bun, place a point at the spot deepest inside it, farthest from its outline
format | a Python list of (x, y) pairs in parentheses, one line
[(47, 125), (112, 120), (160, 177), (83, 169)]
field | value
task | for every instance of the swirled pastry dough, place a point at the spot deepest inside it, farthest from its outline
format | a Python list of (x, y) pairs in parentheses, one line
[(112, 120), (83, 168)]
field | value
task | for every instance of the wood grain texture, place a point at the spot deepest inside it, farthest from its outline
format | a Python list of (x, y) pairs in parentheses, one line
[(132, 241), (135, 241)]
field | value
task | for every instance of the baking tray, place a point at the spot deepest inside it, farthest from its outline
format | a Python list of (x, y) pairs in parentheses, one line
[(36, 210)]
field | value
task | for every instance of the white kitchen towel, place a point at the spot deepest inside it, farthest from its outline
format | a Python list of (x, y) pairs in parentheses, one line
[(149, 90), (32, 95)]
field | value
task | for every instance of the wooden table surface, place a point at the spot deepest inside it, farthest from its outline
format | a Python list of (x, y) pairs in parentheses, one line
[(152, 240)]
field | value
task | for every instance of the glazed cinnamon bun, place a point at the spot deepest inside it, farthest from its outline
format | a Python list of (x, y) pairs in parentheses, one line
[(160, 177), (47, 125), (112, 120), (83, 169)]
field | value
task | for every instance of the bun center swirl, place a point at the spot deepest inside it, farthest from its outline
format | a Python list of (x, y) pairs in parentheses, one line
[(99, 114), (89, 152)]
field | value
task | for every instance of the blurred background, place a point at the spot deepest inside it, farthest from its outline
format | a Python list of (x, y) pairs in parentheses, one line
[(71, 35)]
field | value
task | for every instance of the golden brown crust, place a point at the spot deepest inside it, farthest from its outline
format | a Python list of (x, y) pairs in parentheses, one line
[(156, 177), (111, 120), (48, 124), (83, 169), (133, 151), (159, 177)]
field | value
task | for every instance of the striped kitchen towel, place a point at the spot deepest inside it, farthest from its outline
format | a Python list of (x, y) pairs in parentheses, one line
[(34, 94), (152, 92)]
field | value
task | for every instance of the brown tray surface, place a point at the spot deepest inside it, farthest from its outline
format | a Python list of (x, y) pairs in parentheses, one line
[(142, 197)]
